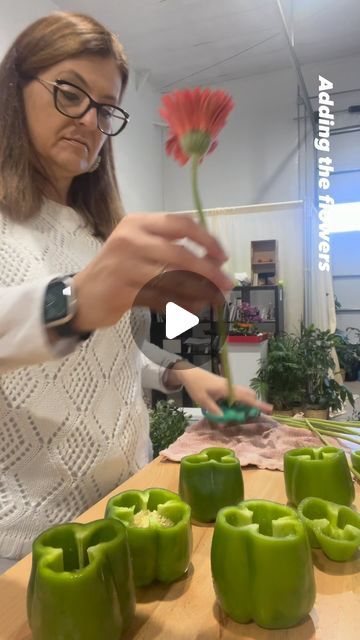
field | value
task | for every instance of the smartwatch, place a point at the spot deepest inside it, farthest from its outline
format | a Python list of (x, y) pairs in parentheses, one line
[(60, 308)]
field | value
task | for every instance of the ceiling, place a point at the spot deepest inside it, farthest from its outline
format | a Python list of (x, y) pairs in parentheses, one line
[(184, 42)]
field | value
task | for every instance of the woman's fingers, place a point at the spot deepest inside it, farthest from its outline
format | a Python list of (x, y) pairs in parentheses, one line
[(178, 226), (157, 250), (247, 396), (210, 405)]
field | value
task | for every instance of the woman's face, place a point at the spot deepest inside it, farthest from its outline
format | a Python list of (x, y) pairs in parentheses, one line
[(68, 147)]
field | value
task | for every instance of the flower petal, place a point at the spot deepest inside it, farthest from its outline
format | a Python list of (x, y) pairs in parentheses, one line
[(173, 148), (191, 110)]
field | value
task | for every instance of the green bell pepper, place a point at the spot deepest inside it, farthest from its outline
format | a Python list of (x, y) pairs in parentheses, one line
[(159, 532), (261, 564), (355, 459), (332, 527), (322, 473), (210, 480), (81, 585)]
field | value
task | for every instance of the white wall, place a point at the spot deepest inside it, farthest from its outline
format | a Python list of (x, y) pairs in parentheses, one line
[(15, 15), (138, 150)]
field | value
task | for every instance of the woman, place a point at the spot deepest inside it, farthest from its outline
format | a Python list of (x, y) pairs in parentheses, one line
[(73, 422)]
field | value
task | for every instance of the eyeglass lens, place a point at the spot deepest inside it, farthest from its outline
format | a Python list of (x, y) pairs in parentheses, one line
[(73, 102)]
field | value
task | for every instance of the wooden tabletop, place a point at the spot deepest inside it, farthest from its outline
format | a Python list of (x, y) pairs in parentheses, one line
[(187, 610)]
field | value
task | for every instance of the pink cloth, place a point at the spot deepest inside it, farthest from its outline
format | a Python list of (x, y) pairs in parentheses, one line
[(262, 443)]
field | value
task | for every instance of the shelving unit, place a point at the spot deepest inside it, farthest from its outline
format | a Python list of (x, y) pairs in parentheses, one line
[(270, 301), (264, 263)]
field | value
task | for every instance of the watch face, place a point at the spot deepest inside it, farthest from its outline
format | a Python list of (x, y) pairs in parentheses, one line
[(56, 303)]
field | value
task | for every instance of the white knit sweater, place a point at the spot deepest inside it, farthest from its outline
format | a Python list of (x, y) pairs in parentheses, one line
[(71, 429)]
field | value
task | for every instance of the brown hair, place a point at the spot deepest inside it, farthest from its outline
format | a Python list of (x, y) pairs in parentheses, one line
[(44, 43)]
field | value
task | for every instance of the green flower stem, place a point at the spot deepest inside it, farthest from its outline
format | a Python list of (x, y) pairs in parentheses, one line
[(340, 436), (324, 424), (355, 425), (317, 432), (344, 429), (320, 431), (220, 318), (195, 190), (224, 355)]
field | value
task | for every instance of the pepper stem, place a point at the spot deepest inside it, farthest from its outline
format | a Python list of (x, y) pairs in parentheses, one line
[(219, 310)]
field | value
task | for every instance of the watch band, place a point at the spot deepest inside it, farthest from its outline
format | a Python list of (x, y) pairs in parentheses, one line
[(67, 330), (63, 326)]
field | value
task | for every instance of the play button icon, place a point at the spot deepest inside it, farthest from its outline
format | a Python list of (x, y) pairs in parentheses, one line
[(174, 327), (178, 320)]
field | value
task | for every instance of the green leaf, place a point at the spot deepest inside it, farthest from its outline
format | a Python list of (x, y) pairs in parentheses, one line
[(167, 423)]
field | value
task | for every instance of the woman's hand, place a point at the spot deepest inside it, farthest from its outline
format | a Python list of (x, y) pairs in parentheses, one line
[(205, 388), (138, 250)]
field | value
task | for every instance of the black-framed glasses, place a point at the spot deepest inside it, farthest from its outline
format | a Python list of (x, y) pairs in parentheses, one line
[(74, 102)]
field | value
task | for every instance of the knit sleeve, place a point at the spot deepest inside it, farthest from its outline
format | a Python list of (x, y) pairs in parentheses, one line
[(23, 337), (154, 365)]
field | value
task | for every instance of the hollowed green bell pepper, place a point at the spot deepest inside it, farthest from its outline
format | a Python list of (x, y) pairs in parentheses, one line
[(81, 585), (159, 533), (332, 527), (210, 480), (322, 473), (261, 564), (355, 459)]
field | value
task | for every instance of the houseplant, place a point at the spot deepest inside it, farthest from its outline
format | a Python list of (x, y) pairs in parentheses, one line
[(321, 392), (280, 378), (167, 423), (297, 374), (349, 356)]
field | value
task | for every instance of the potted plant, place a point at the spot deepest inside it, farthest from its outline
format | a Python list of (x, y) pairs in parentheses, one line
[(348, 354), (167, 423), (321, 391), (279, 378)]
